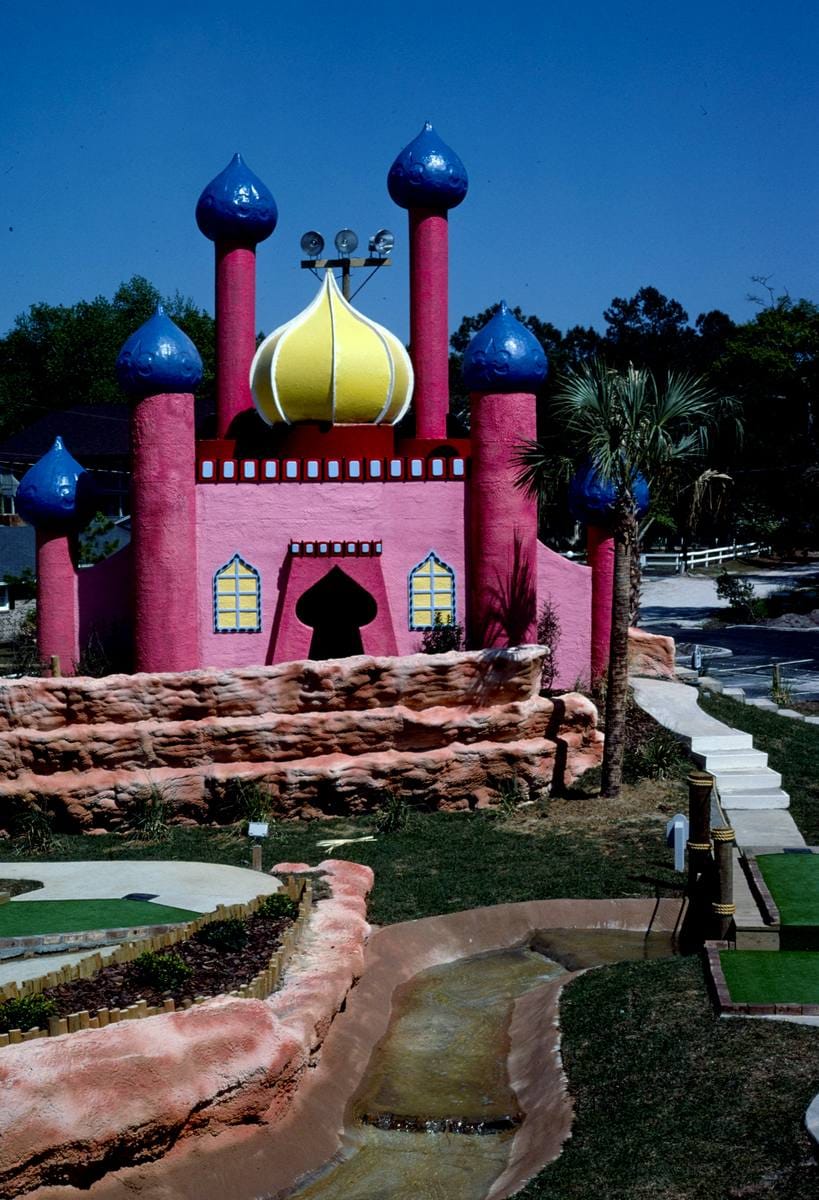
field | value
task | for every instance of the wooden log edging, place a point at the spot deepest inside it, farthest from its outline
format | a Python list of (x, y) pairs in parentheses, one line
[(262, 985)]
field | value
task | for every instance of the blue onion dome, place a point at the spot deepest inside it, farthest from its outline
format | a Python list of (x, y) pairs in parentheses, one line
[(158, 357), (237, 206), (427, 174), (592, 498), (56, 492), (504, 356)]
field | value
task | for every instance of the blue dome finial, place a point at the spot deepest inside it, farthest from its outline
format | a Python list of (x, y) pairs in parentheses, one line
[(504, 356), (237, 206), (55, 493), (592, 498), (427, 174), (158, 357)]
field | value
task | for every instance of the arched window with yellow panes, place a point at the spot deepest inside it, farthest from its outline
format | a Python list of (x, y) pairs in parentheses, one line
[(237, 598), (431, 594)]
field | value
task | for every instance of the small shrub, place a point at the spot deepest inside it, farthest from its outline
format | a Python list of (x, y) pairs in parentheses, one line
[(393, 815), (510, 794), (242, 800), (31, 828), (660, 756), (741, 596), (278, 905), (443, 636), (548, 635), (26, 1012), (149, 821), (165, 972), (224, 935)]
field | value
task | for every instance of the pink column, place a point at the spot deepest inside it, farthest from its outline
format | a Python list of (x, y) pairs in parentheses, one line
[(600, 547), (503, 566), (235, 330), (429, 318), (58, 611), (164, 534)]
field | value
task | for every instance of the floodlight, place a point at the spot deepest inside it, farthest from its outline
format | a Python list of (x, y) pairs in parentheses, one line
[(257, 829), (312, 243), (346, 242), (381, 243)]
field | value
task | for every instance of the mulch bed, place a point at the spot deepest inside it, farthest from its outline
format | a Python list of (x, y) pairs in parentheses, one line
[(214, 972)]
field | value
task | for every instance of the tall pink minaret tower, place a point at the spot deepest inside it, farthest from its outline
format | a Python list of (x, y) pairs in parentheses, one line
[(428, 179), (158, 367), (236, 211), (503, 366), (54, 496)]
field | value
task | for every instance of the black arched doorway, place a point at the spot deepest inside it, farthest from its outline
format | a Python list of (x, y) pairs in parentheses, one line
[(335, 608)]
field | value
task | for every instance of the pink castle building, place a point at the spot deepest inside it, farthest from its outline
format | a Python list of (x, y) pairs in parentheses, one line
[(309, 528)]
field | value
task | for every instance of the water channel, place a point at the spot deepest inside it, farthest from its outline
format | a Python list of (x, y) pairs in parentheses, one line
[(435, 1114)]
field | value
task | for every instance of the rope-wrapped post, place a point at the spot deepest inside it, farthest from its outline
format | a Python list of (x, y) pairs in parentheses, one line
[(723, 906), (700, 785)]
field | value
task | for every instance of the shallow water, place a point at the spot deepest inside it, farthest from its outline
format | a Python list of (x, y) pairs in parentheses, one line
[(441, 1064)]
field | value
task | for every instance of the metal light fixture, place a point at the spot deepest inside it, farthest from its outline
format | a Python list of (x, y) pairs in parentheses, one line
[(312, 244), (381, 243), (346, 242)]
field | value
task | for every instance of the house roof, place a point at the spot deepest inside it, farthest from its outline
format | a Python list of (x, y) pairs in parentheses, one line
[(17, 549)]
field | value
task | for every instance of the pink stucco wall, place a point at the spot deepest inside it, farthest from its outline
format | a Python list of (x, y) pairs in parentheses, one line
[(429, 319), (503, 563), (569, 586), (106, 595), (57, 599), (258, 521)]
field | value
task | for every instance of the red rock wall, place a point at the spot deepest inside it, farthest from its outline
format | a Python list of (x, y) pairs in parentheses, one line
[(650, 655), (75, 1107), (320, 737)]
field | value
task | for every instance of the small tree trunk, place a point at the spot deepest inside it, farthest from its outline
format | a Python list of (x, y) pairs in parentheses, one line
[(617, 687), (636, 585)]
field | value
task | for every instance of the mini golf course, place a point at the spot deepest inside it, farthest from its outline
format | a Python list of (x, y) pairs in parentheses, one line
[(793, 881), (771, 976), (28, 918)]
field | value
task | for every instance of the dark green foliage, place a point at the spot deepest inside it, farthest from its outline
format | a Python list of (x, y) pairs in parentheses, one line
[(149, 818), (240, 800), (25, 657), (30, 825), (278, 905), (660, 756), (26, 1012), (739, 593), (58, 356), (164, 971), (442, 637), (94, 544), (224, 935), (394, 814)]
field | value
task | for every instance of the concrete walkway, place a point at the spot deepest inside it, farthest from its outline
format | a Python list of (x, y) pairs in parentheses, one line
[(193, 885)]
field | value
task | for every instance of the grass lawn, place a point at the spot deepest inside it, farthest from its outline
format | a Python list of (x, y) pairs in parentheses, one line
[(673, 1103), (793, 749), (793, 881), (772, 976), (26, 917)]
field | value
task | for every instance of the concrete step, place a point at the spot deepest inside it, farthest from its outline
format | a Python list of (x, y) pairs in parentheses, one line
[(760, 780), (735, 693), (763, 827), (790, 713), (702, 743), (732, 760), (761, 702), (774, 798)]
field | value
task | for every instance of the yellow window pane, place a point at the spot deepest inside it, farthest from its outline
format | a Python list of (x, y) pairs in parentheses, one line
[(248, 585), (244, 571), (223, 622), (439, 570), (423, 616), (443, 587), (247, 604), (247, 620), (422, 595), (225, 586), (225, 608)]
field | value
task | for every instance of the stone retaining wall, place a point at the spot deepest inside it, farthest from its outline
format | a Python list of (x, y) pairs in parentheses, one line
[(75, 1107), (322, 738)]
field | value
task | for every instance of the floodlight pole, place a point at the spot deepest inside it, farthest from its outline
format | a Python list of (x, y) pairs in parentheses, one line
[(345, 265)]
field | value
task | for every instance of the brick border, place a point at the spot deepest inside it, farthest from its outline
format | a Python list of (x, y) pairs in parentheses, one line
[(729, 1007)]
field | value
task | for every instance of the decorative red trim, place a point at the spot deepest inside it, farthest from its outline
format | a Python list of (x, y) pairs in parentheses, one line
[(335, 548), (331, 470)]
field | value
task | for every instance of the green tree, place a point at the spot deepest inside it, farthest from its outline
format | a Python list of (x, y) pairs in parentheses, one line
[(58, 356), (629, 424)]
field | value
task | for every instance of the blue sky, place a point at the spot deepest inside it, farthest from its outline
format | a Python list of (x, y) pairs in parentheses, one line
[(608, 145)]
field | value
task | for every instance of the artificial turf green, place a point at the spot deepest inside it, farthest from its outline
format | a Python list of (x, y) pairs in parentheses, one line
[(771, 976), (26, 918), (793, 881)]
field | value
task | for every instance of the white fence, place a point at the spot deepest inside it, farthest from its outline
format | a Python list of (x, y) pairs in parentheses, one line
[(676, 560)]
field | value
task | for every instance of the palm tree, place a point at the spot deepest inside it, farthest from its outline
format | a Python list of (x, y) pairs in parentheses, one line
[(628, 424)]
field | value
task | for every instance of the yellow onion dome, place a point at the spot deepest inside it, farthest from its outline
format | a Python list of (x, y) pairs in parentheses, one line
[(331, 363)]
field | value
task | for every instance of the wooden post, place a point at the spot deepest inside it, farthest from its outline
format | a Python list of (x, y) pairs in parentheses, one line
[(256, 857), (723, 906), (700, 785), (55, 666)]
